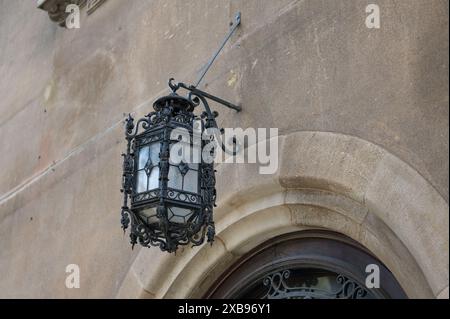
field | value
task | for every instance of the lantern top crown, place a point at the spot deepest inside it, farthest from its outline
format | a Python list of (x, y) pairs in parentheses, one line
[(176, 101)]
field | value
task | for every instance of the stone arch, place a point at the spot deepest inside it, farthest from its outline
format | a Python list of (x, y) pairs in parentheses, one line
[(301, 255), (325, 181)]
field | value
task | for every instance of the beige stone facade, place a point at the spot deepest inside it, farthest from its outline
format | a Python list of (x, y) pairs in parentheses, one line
[(363, 137)]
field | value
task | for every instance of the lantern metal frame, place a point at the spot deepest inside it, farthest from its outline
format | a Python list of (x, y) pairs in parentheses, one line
[(170, 113)]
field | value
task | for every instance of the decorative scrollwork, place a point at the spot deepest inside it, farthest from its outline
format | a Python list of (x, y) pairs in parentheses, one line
[(278, 288), (193, 232), (183, 196), (162, 117), (125, 220), (184, 118), (349, 289), (211, 232), (149, 139), (159, 230), (146, 196), (132, 130), (127, 179), (174, 87)]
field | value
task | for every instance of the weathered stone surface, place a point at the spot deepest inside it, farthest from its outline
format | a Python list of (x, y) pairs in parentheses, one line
[(381, 240), (132, 288), (319, 160), (214, 257), (308, 65), (417, 213), (239, 237), (238, 183), (57, 221), (328, 200), (443, 294), (377, 94)]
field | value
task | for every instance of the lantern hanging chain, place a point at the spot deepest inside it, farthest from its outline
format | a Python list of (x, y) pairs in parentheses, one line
[(234, 25)]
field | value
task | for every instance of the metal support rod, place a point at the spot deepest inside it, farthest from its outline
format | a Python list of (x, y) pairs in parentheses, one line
[(196, 91), (211, 116), (236, 22)]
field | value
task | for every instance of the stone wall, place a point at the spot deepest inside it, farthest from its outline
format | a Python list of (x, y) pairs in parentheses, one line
[(301, 66)]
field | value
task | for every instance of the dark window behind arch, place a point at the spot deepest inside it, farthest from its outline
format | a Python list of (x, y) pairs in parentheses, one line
[(304, 265)]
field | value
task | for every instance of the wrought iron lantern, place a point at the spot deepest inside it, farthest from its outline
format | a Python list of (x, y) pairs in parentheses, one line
[(168, 178)]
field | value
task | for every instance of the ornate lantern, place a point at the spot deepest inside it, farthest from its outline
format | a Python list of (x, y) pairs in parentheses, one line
[(167, 177), (168, 169)]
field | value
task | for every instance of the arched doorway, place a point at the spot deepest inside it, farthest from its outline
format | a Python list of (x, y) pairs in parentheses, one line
[(306, 265)]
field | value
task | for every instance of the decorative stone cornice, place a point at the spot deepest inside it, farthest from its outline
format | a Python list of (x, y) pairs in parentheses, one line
[(57, 9)]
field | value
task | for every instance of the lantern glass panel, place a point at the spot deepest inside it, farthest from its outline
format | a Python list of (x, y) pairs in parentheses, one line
[(179, 215), (191, 181), (183, 175), (153, 179), (141, 182), (175, 177), (149, 215), (148, 169), (143, 157)]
